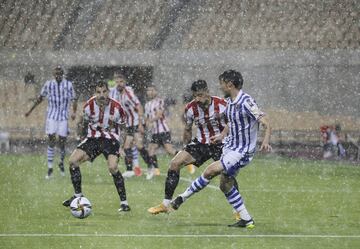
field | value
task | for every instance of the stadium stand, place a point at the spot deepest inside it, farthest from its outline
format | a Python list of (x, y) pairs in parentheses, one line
[(230, 24), (275, 24)]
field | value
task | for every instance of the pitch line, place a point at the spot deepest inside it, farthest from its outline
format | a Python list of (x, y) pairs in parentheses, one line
[(181, 235)]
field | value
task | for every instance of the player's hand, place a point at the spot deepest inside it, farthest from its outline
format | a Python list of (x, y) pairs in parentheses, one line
[(265, 147), (73, 116), (216, 139)]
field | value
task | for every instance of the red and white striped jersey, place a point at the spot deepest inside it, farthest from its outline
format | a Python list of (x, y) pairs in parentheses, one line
[(104, 123), (129, 101), (151, 108), (209, 121)]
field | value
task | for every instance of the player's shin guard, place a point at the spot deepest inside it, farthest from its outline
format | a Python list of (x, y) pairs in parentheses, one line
[(235, 200), (153, 161), (120, 185), (171, 183), (128, 159), (145, 155), (197, 185), (75, 178)]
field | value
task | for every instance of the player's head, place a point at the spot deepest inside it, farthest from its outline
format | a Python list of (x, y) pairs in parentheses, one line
[(102, 92), (151, 91), (230, 80), (200, 92), (58, 73), (120, 81)]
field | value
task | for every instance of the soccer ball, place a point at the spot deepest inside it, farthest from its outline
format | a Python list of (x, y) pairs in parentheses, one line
[(80, 207)]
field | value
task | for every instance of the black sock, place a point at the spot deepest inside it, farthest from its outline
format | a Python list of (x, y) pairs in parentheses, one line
[(76, 178), (128, 158), (120, 185), (145, 155), (153, 161), (171, 183)]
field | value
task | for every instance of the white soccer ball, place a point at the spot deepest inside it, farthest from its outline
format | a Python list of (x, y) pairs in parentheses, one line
[(80, 207)]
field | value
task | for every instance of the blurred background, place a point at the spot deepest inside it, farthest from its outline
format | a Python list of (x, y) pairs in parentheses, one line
[(300, 60)]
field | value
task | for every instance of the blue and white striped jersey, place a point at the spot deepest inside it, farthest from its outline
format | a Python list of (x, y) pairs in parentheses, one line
[(243, 115), (59, 96)]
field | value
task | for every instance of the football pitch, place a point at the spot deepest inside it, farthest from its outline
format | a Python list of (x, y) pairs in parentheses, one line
[(295, 204)]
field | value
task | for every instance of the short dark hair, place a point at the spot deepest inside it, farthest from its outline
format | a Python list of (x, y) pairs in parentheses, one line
[(233, 77), (151, 85), (102, 83), (59, 68), (199, 85)]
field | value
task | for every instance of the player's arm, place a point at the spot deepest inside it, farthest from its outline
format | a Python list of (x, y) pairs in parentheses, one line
[(187, 134), (74, 109), (38, 100), (265, 145), (140, 111)]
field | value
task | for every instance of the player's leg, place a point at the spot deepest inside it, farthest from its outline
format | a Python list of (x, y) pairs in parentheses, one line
[(180, 160), (50, 154), (62, 132), (135, 157), (138, 140), (135, 161), (227, 186), (112, 161), (199, 183), (153, 168), (128, 144), (169, 148), (62, 142), (76, 158)]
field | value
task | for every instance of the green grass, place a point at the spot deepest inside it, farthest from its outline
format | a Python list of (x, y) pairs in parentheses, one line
[(295, 203)]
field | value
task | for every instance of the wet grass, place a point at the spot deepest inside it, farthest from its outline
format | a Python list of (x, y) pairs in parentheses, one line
[(295, 203)]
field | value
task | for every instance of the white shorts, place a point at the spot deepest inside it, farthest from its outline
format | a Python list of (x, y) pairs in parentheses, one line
[(233, 161), (59, 128)]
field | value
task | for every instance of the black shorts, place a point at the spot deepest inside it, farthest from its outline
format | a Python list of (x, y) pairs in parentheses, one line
[(161, 138), (96, 146), (203, 152), (131, 130)]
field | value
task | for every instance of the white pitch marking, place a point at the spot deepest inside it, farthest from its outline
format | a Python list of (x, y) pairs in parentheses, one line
[(181, 235)]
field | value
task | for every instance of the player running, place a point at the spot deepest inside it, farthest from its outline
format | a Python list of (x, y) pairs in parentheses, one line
[(244, 118), (59, 93), (206, 112), (103, 117)]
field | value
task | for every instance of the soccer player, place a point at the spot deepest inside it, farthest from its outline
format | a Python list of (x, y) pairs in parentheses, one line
[(103, 116), (59, 93), (244, 118), (134, 123), (160, 132), (205, 111), (331, 138)]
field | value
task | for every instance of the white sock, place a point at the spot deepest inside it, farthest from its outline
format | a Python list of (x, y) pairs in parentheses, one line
[(124, 202), (166, 202), (244, 214)]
